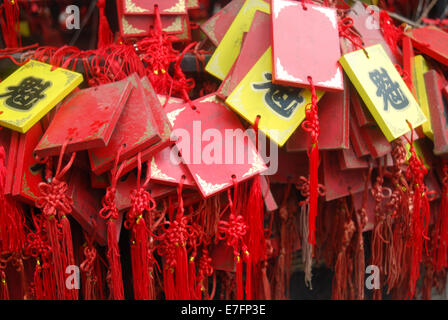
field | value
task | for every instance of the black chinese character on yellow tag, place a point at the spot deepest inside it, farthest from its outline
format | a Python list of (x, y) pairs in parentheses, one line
[(389, 90), (283, 100), (26, 94)]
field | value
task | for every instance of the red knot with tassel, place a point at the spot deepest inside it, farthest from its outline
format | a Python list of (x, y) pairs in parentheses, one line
[(110, 213), (141, 203), (105, 36), (172, 247), (233, 232), (56, 205), (311, 125)]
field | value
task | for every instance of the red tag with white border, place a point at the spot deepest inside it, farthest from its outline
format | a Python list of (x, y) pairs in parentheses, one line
[(305, 43), (234, 157)]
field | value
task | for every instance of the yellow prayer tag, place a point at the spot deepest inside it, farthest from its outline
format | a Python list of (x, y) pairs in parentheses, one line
[(31, 92), (383, 91), (281, 108), (420, 68), (229, 48)]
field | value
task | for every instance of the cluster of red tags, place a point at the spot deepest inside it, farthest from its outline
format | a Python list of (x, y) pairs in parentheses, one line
[(93, 184)]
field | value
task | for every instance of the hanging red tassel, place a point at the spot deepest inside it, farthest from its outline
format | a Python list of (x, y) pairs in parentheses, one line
[(359, 259), (141, 203), (307, 247), (233, 231), (90, 267), (56, 205), (182, 281), (195, 292), (105, 36), (255, 238), (140, 261), (168, 283), (109, 212), (248, 258), (255, 218), (67, 249), (48, 282), (280, 269), (397, 225), (37, 246), (342, 267), (239, 278), (173, 248), (382, 237), (113, 256), (37, 282), (205, 271), (311, 125), (391, 33), (158, 53), (416, 173), (12, 236), (9, 23), (195, 238)]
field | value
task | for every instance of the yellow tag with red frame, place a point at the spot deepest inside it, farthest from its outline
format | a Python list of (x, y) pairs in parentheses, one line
[(383, 91), (281, 108), (420, 68), (31, 92), (229, 48)]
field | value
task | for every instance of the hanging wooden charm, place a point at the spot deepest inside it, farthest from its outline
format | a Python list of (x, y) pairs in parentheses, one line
[(163, 127), (281, 108), (227, 52), (256, 42), (236, 157), (28, 172), (305, 36), (31, 92), (436, 101), (383, 91), (432, 41), (216, 27), (87, 118), (420, 68), (136, 130)]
